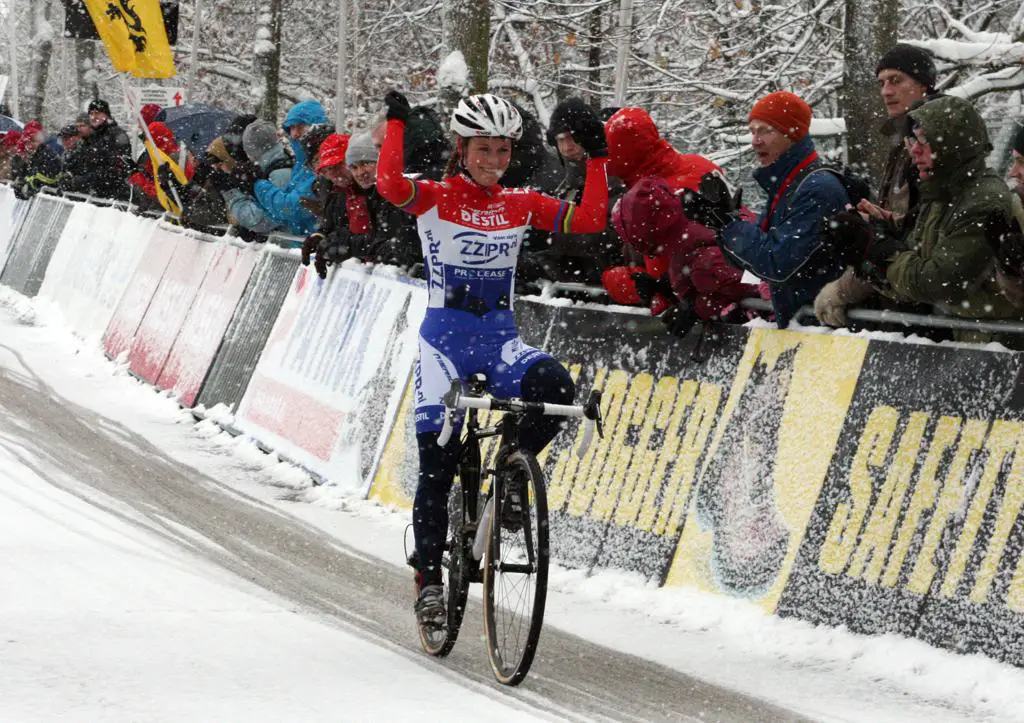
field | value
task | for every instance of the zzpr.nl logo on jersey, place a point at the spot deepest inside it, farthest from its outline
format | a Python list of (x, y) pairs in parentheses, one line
[(479, 249)]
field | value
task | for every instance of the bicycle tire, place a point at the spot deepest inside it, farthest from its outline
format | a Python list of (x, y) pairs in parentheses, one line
[(457, 566), (511, 659)]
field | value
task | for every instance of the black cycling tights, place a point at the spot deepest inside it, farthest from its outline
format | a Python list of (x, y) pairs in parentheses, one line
[(546, 381)]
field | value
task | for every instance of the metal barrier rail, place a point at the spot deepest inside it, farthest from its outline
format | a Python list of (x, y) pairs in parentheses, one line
[(904, 318)]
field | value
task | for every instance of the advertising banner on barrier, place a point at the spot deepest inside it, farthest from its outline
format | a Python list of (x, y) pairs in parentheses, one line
[(135, 301), (170, 305), (203, 329), (330, 380), (918, 529), (250, 327), (12, 212), (92, 265), (34, 244), (765, 463)]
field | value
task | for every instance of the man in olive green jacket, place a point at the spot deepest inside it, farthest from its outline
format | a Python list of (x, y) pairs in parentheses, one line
[(946, 260), (949, 263)]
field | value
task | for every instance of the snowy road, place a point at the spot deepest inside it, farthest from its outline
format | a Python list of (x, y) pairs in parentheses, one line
[(117, 603)]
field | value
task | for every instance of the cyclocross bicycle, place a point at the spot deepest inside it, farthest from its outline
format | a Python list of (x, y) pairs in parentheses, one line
[(504, 524)]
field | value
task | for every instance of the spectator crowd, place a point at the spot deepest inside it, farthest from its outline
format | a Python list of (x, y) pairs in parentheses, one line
[(938, 232)]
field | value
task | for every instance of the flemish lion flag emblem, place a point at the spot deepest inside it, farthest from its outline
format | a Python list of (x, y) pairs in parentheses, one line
[(134, 33)]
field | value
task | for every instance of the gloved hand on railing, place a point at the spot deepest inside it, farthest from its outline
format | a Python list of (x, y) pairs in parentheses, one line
[(310, 246), (680, 318), (655, 294)]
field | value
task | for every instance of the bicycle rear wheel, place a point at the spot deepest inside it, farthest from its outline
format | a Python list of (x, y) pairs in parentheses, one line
[(516, 568), (457, 564)]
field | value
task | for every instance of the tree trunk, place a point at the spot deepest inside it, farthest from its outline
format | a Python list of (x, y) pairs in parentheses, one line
[(466, 26), (85, 64), (267, 58), (871, 27), (594, 57), (39, 63)]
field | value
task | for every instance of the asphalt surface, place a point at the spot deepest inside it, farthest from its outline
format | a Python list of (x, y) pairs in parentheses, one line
[(571, 677)]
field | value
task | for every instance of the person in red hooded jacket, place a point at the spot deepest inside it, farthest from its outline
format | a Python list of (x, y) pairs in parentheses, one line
[(689, 267), (650, 220), (163, 138), (8, 153)]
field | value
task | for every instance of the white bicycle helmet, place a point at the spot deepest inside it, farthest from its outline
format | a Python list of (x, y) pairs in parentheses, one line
[(487, 116)]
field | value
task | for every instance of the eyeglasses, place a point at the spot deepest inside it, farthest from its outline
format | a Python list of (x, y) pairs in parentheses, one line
[(911, 141), (763, 132)]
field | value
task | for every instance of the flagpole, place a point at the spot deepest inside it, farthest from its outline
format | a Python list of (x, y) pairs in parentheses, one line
[(339, 99), (133, 110), (193, 67), (11, 30)]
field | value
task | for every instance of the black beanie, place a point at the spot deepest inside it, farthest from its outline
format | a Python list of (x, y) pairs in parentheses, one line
[(1018, 140), (563, 113), (913, 61), (314, 137), (100, 105)]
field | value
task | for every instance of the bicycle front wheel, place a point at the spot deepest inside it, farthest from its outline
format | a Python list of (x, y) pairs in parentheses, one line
[(516, 568)]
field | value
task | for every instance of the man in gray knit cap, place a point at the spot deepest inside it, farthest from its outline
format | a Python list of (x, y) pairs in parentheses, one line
[(361, 159)]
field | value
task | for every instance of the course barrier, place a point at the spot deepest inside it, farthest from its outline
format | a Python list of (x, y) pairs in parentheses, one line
[(330, 379), (12, 212), (93, 265), (250, 327), (34, 243), (844, 480)]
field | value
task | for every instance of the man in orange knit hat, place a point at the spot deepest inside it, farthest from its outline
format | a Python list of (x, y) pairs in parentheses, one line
[(783, 246)]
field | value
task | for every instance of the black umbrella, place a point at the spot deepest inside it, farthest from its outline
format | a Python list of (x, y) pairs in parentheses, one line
[(196, 125), (9, 124)]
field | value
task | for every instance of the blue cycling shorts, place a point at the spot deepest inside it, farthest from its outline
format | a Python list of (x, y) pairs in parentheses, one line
[(499, 354)]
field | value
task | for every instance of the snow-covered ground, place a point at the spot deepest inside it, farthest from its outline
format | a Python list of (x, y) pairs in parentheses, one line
[(122, 612)]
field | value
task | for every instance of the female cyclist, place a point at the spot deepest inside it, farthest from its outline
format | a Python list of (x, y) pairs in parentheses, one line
[(471, 229)]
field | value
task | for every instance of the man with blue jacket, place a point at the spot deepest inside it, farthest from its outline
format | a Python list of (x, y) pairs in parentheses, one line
[(284, 205), (784, 247)]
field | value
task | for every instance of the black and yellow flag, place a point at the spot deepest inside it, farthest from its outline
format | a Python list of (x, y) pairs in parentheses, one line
[(134, 33)]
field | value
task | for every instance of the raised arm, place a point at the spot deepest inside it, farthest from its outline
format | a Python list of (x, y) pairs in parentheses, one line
[(590, 216), (415, 197)]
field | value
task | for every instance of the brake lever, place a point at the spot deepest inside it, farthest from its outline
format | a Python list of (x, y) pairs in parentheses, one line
[(591, 420)]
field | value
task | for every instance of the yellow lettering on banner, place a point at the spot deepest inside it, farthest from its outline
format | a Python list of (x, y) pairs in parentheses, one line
[(613, 475), (844, 528), (944, 436), (666, 457), (951, 499), (1013, 500), (1009, 440), (562, 476), (874, 543), (587, 475), (677, 491), (1001, 442), (641, 469)]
